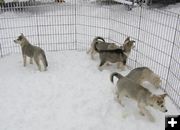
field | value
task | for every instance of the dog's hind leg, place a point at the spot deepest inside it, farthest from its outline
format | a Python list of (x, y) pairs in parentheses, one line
[(93, 52), (120, 97), (101, 65), (38, 64)]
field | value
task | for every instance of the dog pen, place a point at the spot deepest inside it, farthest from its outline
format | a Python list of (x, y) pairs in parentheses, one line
[(59, 27)]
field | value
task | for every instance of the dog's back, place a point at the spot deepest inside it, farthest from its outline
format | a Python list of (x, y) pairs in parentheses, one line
[(141, 74), (131, 89), (137, 74), (102, 44)]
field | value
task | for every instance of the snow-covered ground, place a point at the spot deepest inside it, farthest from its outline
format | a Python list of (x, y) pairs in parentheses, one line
[(72, 95)]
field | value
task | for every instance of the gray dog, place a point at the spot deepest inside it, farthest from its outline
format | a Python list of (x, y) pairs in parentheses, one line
[(112, 56), (31, 51)]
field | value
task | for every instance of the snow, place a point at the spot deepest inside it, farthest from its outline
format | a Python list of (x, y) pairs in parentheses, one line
[(72, 95)]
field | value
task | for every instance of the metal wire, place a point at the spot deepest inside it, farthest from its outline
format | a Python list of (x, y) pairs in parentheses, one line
[(73, 25)]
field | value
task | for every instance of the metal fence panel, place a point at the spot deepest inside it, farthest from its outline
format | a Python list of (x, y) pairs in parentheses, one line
[(92, 20), (73, 25), (173, 79), (51, 26)]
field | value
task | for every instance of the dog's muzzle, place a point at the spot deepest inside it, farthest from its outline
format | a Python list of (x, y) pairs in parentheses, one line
[(15, 41)]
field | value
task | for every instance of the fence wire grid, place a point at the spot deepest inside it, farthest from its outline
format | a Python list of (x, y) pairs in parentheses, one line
[(73, 25)]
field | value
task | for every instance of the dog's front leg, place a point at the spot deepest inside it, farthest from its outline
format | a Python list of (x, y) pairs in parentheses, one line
[(93, 52), (144, 111), (120, 96), (120, 66), (24, 60)]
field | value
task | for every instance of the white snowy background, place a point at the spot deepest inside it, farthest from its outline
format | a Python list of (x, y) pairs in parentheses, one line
[(73, 94)]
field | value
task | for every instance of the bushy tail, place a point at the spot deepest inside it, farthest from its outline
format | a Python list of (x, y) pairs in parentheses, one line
[(98, 38), (95, 48), (44, 59), (116, 75)]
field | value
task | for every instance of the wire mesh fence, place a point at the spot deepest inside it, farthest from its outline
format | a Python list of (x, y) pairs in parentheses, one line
[(72, 26)]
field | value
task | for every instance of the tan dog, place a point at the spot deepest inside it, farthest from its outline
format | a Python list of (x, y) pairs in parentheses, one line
[(128, 88), (31, 51)]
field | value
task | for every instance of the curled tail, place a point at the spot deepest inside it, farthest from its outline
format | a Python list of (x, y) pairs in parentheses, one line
[(116, 75), (44, 59), (95, 48), (98, 38)]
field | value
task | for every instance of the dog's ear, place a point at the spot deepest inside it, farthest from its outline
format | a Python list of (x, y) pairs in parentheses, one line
[(127, 40), (22, 34), (163, 95)]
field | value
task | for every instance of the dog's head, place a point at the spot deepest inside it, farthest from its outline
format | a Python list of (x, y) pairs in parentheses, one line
[(20, 39), (159, 102), (128, 44)]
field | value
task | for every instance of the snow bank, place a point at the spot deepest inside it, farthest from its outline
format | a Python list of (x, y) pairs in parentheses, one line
[(72, 95)]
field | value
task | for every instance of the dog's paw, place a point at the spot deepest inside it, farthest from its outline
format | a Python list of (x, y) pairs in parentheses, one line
[(100, 69), (151, 118), (141, 113)]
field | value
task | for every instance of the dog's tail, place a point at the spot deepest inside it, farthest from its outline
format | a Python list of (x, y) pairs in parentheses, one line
[(116, 75), (44, 59), (98, 38), (95, 48)]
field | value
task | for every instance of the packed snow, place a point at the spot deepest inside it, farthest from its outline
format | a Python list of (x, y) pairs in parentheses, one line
[(72, 95)]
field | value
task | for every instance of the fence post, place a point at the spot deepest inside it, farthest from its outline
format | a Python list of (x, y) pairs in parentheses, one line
[(109, 19), (139, 27), (1, 46), (76, 25), (1, 50), (172, 49), (37, 28)]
